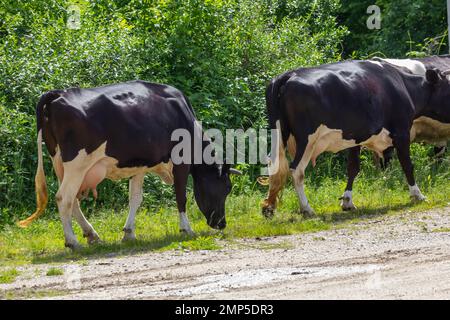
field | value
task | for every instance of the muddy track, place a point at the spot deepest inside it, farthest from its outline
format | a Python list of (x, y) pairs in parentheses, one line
[(400, 257)]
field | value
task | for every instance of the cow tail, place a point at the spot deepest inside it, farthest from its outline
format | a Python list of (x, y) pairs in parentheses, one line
[(278, 167), (274, 109), (39, 180)]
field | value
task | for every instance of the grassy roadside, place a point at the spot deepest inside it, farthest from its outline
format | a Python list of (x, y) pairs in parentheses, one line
[(43, 241)]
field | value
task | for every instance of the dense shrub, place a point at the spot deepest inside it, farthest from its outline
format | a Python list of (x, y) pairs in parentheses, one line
[(220, 53), (418, 26)]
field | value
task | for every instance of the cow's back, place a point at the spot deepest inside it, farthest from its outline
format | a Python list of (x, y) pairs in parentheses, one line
[(358, 97), (135, 119)]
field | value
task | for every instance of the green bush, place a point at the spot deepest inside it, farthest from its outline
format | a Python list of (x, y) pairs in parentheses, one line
[(418, 26), (220, 53)]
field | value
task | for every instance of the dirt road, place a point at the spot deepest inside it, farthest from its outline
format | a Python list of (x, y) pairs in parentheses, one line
[(395, 257)]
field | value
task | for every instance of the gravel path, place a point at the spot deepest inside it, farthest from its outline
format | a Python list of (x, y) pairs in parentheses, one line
[(402, 256)]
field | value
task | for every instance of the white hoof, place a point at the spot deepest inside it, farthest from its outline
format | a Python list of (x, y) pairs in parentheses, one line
[(415, 193), (185, 227), (347, 202)]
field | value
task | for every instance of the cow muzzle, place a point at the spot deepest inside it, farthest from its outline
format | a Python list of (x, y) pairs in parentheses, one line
[(217, 221)]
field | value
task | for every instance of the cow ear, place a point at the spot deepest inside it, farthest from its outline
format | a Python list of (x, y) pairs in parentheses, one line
[(432, 76)]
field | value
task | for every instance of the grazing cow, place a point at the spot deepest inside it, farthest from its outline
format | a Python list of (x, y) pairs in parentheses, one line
[(121, 131), (430, 129), (348, 105)]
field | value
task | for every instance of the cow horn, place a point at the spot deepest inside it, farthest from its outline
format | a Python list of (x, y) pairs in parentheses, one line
[(446, 72), (235, 171)]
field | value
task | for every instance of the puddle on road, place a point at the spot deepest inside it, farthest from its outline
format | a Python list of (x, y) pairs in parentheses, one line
[(223, 282), (259, 277)]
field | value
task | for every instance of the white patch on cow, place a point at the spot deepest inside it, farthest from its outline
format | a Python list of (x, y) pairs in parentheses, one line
[(88, 231), (347, 202), (300, 189), (85, 172), (135, 199), (378, 63), (184, 224), (106, 167), (163, 170), (415, 67), (428, 130), (278, 164), (58, 164), (379, 142), (326, 139), (291, 146), (74, 172), (415, 193)]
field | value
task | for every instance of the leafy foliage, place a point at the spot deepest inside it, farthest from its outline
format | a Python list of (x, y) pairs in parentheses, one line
[(220, 53), (419, 27)]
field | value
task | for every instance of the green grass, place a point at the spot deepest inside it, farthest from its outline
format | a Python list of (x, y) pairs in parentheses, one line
[(441, 230), (43, 241), (26, 293), (8, 275), (54, 272)]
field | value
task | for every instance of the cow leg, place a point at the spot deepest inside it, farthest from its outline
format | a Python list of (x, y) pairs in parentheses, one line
[(135, 199), (387, 157), (180, 175), (439, 149), (353, 167), (298, 166), (401, 144), (65, 198), (88, 230)]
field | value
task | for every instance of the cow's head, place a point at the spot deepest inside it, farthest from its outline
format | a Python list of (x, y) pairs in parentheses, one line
[(438, 106), (211, 186)]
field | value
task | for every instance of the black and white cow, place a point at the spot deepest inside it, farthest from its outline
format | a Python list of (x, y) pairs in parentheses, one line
[(121, 131), (424, 129), (432, 128), (348, 105)]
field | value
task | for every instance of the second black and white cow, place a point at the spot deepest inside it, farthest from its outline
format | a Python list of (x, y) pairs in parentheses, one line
[(348, 105), (432, 128), (121, 131)]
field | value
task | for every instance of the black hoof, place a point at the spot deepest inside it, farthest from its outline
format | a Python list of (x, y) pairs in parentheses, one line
[(268, 212)]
